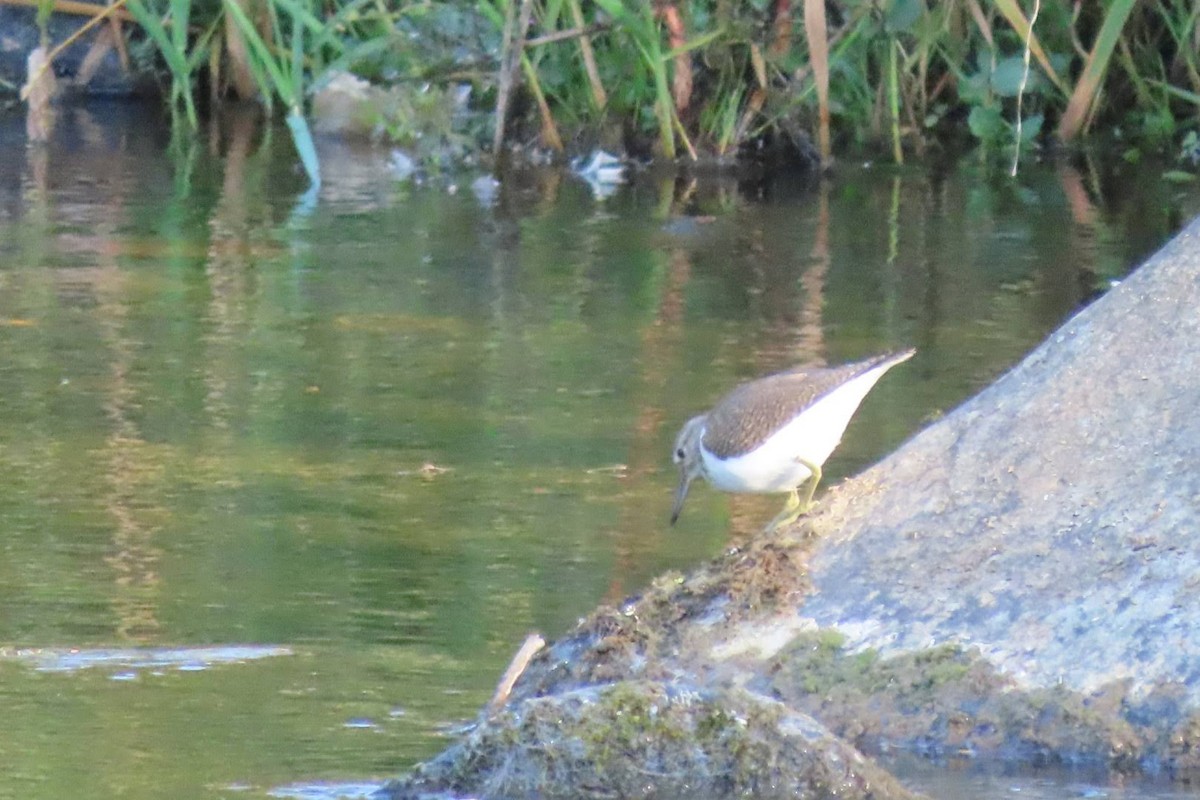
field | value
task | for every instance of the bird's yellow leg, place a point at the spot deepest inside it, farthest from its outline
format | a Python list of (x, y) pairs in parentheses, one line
[(793, 508), (812, 482)]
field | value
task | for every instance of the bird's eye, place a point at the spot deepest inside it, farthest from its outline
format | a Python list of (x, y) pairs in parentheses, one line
[(679, 455)]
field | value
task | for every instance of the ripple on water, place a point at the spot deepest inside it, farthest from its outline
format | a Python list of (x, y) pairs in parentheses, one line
[(130, 660), (326, 791)]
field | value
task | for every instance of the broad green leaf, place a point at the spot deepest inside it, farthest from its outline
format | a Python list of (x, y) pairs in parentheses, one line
[(1006, 78), (985, 123), (1030, 127), (901, 15)]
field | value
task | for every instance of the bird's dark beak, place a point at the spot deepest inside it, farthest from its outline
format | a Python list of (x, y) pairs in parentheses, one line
[(685, 480)]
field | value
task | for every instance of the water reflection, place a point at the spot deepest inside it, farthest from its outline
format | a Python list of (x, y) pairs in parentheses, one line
[(960, 779), (395, 431)]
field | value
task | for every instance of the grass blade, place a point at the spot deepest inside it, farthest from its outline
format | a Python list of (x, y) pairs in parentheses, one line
[(1086, 90)]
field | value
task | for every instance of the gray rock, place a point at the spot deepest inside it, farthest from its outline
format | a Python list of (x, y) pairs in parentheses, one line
[(1021, 580), (1052, 522)]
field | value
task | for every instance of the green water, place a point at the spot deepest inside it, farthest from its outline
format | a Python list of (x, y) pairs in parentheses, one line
[(390, 432)]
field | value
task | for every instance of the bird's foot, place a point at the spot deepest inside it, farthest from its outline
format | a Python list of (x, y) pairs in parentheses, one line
[(792, 510), (788, 516), (795, 507)]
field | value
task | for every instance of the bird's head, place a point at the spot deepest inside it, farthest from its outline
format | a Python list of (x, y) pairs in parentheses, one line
[(687, 456)]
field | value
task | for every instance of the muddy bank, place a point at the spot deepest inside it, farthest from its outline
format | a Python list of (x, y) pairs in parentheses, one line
[(1017, 582)]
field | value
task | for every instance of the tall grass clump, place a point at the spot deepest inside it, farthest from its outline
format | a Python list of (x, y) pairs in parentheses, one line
[(693, 78), (898, 76)]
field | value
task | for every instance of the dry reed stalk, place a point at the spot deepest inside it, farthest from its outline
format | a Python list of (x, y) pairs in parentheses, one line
[(681, 80), (818, 53), (599, 96), (38, 93), (79, 9), (513, 43), (529, 648)]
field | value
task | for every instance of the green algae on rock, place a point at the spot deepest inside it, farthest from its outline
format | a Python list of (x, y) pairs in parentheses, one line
[(651, 740)]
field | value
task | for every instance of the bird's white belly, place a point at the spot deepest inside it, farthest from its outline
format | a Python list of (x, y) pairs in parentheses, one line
[(757, 471), (775, 466)]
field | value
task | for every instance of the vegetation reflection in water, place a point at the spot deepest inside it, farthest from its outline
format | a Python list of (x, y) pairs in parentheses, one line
[(395, 431)]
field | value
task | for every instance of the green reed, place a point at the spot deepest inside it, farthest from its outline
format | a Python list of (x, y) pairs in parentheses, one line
[(711, 76)]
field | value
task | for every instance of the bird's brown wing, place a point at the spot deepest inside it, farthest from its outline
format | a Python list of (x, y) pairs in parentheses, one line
[(745, 417)]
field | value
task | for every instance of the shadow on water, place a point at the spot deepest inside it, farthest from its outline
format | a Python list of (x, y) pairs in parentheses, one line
[(394, 430)]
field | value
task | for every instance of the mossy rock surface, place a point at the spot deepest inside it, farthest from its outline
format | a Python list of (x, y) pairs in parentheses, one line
[(645, 739)]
